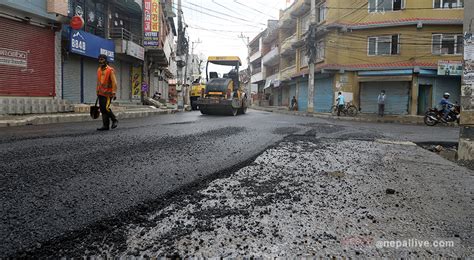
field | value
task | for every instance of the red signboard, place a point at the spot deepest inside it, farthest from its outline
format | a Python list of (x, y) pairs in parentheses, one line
[(77, 22)]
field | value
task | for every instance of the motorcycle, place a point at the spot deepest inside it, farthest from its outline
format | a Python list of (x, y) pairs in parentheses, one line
[(434, 116)]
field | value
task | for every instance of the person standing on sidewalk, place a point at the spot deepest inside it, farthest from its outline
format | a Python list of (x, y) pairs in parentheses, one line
[(340, 103), (106, 91), (294, 104), (381, 103)]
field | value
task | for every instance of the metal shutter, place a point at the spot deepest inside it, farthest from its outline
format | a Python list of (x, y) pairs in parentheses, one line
[(90, 79), (396, 102), (303, 95), (72, 78), (292, 91), (37, 79), (323, 94), (125, 85)]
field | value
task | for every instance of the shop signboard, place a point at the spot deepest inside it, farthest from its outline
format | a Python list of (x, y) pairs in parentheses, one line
[(450, 68), (90, 45), (151, 22)]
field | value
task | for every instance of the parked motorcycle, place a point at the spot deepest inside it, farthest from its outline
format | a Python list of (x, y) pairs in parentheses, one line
[(434, 116)]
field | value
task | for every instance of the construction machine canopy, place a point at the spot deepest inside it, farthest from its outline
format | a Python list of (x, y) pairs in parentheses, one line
[(224, 60)]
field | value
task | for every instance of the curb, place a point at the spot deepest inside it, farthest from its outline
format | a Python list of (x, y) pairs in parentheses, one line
[(79, 117), (414, 121)]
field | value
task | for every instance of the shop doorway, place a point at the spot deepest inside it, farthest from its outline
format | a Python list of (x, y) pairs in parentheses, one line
[(425, 93)]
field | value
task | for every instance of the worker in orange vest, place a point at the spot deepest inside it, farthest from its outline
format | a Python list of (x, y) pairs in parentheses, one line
[(106, 91)]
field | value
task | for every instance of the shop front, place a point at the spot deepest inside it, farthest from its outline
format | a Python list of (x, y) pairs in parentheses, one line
[(27, 60), (80, 65)]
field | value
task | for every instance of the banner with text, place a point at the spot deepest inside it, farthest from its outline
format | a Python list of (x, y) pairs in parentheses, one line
[(151, 22)]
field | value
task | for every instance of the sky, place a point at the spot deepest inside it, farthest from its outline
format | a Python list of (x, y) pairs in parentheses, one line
[(214, 26)]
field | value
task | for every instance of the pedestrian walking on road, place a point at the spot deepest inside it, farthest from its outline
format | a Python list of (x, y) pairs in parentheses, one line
[(340, 103), (381, 103), (106, 91)]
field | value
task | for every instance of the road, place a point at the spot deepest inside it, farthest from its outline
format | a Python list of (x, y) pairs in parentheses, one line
[(61, 180)]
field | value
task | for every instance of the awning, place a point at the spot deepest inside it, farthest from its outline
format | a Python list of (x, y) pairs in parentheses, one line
[(268, 83), (385, 78)]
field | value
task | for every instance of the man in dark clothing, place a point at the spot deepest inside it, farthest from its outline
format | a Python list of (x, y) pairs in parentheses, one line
[(106, 91), (381, 103)]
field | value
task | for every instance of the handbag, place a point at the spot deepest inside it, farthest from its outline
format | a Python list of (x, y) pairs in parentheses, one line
[(94, 110)]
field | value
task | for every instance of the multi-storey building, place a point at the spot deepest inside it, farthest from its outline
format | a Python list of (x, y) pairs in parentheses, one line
[(45, 62), (270, 63), (257, 72), (111, 28), (161, 51), (410, 49), (30, 59)]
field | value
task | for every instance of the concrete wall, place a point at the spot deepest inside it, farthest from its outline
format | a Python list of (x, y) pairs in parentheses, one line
[(466, 137)]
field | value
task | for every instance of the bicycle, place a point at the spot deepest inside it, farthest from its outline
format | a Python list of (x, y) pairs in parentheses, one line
[(348, 110)]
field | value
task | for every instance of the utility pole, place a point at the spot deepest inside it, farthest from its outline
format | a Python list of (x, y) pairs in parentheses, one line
[(466, 136), (179, 53), (249, 75), (311, 65)]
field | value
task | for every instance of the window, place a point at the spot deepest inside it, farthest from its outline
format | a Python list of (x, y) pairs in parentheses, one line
[(384, 45), (386, 5), (320, 51), (448, 4), (322, 12), (448, 44)]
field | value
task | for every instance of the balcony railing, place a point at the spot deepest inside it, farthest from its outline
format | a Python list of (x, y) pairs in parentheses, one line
[(124, 34), (271, 58)]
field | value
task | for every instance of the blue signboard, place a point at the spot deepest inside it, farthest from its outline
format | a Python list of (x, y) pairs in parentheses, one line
[(90, 45)]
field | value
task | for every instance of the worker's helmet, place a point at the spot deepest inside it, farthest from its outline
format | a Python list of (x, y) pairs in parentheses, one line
[(446, 95)]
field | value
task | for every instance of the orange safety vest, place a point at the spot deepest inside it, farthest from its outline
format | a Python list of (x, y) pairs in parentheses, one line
[(104, 83)]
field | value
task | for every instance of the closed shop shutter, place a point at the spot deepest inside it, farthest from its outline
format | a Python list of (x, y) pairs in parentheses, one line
[(31, 49), (292, 90), (323, 94), (125, 86), (72, 79), (397, 99), (303, 95), (447, 84), (285, 101), (90, 80)]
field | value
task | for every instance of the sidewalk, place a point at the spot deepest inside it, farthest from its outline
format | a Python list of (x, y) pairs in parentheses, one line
[(41, 119), (405, 119)]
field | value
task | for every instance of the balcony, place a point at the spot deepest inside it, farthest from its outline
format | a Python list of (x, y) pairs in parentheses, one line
[(271, 58), (286, 73), (287, 20), (124, 34), (271, 34), (257, 76), (256, 55), (287, 45), (300, 7), (127, 43)]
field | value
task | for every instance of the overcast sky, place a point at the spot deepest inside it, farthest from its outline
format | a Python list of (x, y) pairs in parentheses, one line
[(217, 24)]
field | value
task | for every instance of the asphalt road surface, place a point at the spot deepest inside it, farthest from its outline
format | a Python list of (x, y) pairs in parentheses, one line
[(62, 182)]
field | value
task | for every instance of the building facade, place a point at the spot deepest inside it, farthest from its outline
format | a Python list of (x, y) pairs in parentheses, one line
[(411, 49), (108, 28), (30, 57)]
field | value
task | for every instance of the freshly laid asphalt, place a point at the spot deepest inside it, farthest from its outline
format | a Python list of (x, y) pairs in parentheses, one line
[(61, 179)]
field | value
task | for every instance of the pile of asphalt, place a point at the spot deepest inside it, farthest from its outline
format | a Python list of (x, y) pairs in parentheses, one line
[(319, 197)]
